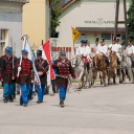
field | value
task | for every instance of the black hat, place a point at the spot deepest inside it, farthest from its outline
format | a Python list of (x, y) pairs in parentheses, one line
[(130, 41), (84, 41), (114, 39), (39, 52), (117, 40), (97, 40), (102, 40)]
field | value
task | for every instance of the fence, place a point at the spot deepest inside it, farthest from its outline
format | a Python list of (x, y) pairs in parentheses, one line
[(56, 50), (69, 51)]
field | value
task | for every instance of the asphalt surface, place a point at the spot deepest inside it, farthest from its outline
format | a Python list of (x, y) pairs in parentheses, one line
[(99, 110)]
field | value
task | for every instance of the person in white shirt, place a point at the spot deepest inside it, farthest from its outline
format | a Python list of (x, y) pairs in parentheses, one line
[(119, 45), (97, 44), (130, 51), (116, 47), (84, 51), (113, 43), (102, 49)]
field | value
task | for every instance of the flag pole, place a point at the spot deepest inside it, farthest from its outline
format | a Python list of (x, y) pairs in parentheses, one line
[(75, 35), (51, 93), (24, 42)]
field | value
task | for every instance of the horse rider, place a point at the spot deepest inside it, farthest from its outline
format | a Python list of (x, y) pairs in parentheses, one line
[(97, 44), (115, 49), (113, 43), (102, 49), (119, 45), (64, 68), (84, 51), (130, 51)]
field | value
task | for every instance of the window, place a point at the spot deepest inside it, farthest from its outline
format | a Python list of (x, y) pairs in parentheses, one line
[(106, 36), (57, 35), (83, 37), (118, 36), (3, 37)]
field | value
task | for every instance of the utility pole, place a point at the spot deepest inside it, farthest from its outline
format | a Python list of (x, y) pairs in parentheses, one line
[(121, 22)]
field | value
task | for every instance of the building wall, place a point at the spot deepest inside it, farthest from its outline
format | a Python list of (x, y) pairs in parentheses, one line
[(87, 13), (11, 20), (35, 21)]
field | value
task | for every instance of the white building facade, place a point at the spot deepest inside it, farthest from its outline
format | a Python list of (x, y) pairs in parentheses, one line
[(11, 24), (93, 18)]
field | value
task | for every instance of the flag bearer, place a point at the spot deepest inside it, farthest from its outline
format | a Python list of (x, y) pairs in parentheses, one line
[(24, 78), (64, 68), (8, 75), (42, 68)]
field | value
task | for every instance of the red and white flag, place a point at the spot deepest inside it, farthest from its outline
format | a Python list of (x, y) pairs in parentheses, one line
[(47, 50)]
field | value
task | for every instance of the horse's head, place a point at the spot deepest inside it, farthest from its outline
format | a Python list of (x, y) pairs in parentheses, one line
[(96, 59), (109, 51), (77, 61), (123, 54)]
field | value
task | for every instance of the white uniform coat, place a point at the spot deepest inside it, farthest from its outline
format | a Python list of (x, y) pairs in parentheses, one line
[(97, 49), (130, 50), (115, 48), (102, 49), (85, 51)]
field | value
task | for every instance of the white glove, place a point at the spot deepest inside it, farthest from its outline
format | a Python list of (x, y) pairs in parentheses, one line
[(19, 69), (32, 81)]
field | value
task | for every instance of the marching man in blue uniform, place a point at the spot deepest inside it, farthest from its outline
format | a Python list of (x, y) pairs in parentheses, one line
[(64, 68), (25, 76), (42, 68), (7, 72)]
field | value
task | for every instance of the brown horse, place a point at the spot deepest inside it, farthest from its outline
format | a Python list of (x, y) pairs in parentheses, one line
[(113, 67), (99, 66)]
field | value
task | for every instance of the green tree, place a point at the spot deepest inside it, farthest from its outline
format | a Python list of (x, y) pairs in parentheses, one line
[(56, 11), (131, 21)]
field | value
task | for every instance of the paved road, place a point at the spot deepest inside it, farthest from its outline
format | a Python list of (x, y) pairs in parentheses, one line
[(98, 110)]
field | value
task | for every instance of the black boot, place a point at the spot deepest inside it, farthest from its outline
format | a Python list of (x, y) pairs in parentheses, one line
[(88, 67), (5, 100), (21, 103), (10, 98), (62, 103), (14, 96), (107, 62), (25, 105), (38, 102)]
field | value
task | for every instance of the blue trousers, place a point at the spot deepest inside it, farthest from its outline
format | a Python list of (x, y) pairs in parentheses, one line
[(62, 92), (8, 90), (40, 91), (24, 93), (30, 90), (14, 89)]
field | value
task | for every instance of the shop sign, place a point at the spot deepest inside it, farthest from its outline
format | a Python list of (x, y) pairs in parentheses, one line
[(99, 21)]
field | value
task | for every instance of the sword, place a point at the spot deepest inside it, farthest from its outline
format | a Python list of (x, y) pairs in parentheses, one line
[(61, 76)]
